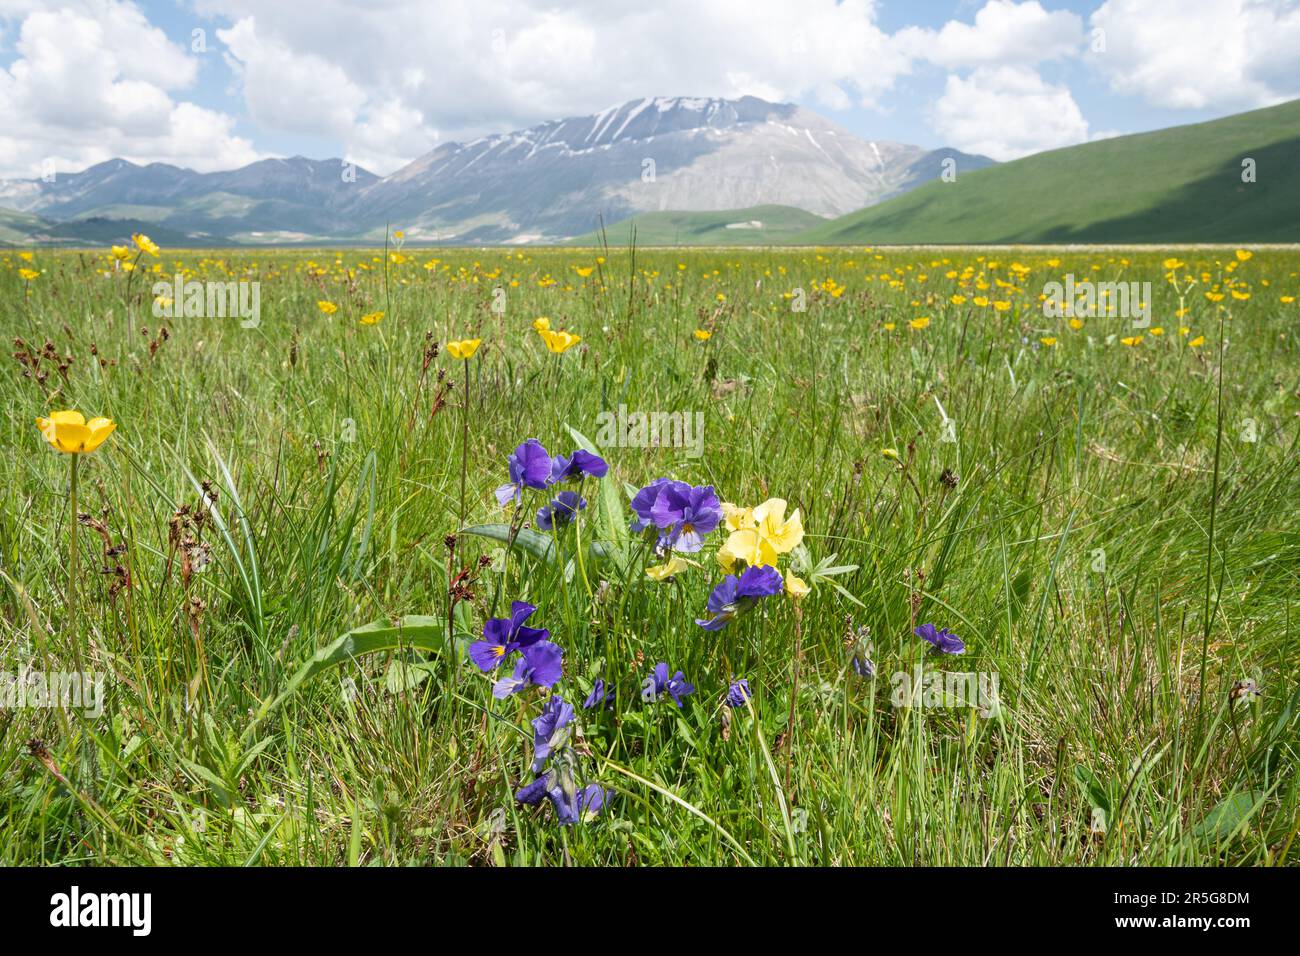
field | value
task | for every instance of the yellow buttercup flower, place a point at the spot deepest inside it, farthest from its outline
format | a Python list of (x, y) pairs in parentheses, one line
[(329, 308), (1048, 340), (28, 274), (583, 271), (120, 252), (1132, 340), (920, 323), (1244, 255), (1076, 324), (371, 318), (69, 432), (703, 335), (464, 349), (559, 342), (145, 244), (669, 570), (1197, 342), (542, 324)]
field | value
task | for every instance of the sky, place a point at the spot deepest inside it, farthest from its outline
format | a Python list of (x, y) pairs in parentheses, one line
[(216, 84)]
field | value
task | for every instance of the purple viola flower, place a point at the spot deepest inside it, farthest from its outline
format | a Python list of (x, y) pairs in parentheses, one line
[(738, 693), (862, 666), (581, 805), (556, 715), (736, 595), (502, 636), (578, 465), (686, 514), (759, 582), (659, 683), (600, 694), (540, 665), (944, 641), (643, 503), (529, 466), (562, 510)]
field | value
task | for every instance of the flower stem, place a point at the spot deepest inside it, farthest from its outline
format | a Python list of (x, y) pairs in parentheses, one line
[(73, 621)]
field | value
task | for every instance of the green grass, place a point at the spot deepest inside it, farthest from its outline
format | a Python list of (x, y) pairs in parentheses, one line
[(334, 455), (777, 225), (1174, 185)]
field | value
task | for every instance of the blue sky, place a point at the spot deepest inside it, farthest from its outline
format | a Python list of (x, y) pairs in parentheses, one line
[(383, 81)]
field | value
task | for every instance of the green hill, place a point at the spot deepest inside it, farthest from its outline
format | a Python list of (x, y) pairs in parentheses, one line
[(1174, 185), (755, 226)]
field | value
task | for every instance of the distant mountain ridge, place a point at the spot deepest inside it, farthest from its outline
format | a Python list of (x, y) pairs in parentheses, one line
[(546, 183)]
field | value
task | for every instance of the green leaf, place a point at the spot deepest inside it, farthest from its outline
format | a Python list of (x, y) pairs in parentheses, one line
[(1097, 796), (420, 631), (1230, 814), (540, 546)]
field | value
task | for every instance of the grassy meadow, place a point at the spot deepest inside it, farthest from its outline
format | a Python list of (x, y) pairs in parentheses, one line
[(272, 541)]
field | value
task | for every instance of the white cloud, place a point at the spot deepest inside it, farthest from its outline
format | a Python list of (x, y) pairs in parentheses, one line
[(1007, 112), (1003, 33), (1229, 54), (344, 69), (91, 81)]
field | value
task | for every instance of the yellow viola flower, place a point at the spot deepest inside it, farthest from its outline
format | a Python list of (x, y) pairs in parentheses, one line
[(669, 570), (703, 335), (770, 536), (737, 519), (796, 589), (329, 308), (920, 323), (559, 342), (69, 432), (145, 244), (371, 318), (464, 349), (542, 324)]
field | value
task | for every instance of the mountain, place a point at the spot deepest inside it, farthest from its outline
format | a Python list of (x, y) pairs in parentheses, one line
[(755, 226), (546, 183), (656, 154), (1182, 184), (274, 196)]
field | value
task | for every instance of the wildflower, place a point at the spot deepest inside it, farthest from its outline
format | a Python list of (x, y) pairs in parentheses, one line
[(145, 244), (599, 694), (539, 665), (562, 509), (542, 324), (580, 805), (703, 334), (1244, 255), (643, 502), (529, 466), (502, 636), (738, 693), (1196, 342), (920, 323), (890, 453), (770, 536), (329, 308), (464, 348), (862, 666), (559, 342), (686, 514), (659, 683), (667, 571), (578, 465), (372, 318), (28, 274), (1048, 340), (796, 589), (943, 640), (555, 716), (120, 252), (735, 595), (69, 432)]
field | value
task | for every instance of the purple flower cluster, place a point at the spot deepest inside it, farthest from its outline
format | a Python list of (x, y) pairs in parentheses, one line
[(683, 513), (531, 466), (659, 683), (571, 806), (539, 662), (943, 640), (735, 595)]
